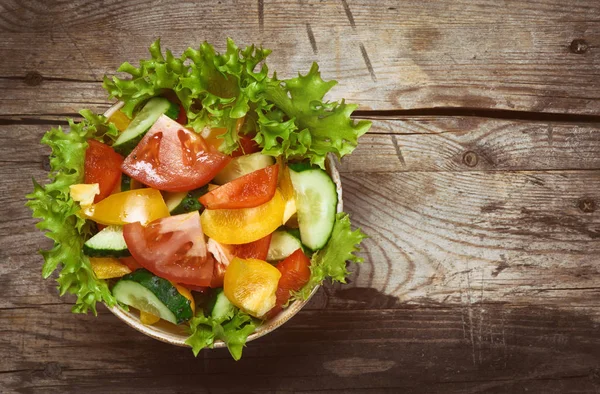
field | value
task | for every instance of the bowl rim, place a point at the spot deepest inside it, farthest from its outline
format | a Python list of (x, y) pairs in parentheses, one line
[(164, 332)]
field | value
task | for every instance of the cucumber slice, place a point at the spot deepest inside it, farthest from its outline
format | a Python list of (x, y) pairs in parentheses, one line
[(282, 245), (184, 202), (243, 165), (152, 294), (142, 122), (107, 243), (220, 307), (316, 201)]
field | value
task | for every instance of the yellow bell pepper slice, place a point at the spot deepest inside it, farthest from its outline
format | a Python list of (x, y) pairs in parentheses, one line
[(120, 120), (84, 193), (148, 318), (108, 267), (250, 284), (140, 205), (241, 226)]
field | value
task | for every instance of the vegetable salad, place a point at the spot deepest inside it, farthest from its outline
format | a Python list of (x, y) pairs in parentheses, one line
[(203, 201)]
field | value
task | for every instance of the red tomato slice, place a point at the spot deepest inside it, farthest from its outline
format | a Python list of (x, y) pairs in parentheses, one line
[(182, 116), (102, 166), (174, 159), (247, 146), (130, 262), (172, 248), (247, 191), (295, 273), (253, 250)]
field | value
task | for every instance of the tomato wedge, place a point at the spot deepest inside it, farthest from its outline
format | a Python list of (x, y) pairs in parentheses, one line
[(248, 191), (172, 248), (102, 166), (247, 146), (173, 158), (253, 250), (295, 273)]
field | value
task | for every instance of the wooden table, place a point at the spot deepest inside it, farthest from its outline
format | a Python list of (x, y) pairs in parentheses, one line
[(479, 186)]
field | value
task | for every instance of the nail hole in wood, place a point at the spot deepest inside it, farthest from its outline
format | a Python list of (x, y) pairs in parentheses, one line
[(470, 159), (33, 78), (579, 46), (586, 205)]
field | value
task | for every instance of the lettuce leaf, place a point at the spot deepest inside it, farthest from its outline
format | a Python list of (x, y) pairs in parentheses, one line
[(310, 127), (287, 117), (330, 262), (215, 89), (234, 332), (53, 204)]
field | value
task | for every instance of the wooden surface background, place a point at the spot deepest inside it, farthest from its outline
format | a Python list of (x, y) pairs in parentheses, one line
[(479, 186)]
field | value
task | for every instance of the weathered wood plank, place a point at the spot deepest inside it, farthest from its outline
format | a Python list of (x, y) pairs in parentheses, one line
[(386, 55), (441, 237), (420, 144), (431, 350)]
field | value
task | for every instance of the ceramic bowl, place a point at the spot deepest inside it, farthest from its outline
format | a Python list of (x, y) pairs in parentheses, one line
[(177, 335)]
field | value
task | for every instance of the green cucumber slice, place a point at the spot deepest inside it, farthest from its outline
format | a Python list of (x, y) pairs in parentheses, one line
[(282, 245), (184, 202), (242, 165), (219, 307), (152, 294), (316, 201), (107, 243), (142, 122)]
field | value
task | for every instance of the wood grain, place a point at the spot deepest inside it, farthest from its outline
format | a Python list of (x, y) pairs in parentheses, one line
[(386, 55), (413, 350)]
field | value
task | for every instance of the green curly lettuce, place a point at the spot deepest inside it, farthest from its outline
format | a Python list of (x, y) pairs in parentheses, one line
[(215, 89), (330, 262), (287, 117), (301, 124), (233, 329), (57, 210)]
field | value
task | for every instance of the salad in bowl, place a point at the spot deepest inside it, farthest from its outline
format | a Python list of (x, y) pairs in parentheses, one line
[(204, 208)]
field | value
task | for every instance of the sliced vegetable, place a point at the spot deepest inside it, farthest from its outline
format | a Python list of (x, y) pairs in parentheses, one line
[(107, 243), (247, 191), (183, 202), (148, 318), (153, 294), (184, 291), (84, 193), (120, 120), (287, 190), (258, 249), (220, 307), (240, 226), (316, 200), (102, 166), (295, 274), (141, 205), (243, 165), (174, 159), (283, 244), (148, 115), (251, 284), (173, 248), (108, 267)]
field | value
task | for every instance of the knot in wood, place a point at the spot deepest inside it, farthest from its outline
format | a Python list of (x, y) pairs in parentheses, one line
[(470, 159), (33, 78), (586, 205), (579, 46), (52, 370)]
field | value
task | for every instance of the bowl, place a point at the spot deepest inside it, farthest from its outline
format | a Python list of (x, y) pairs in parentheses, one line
[(177, 335)]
